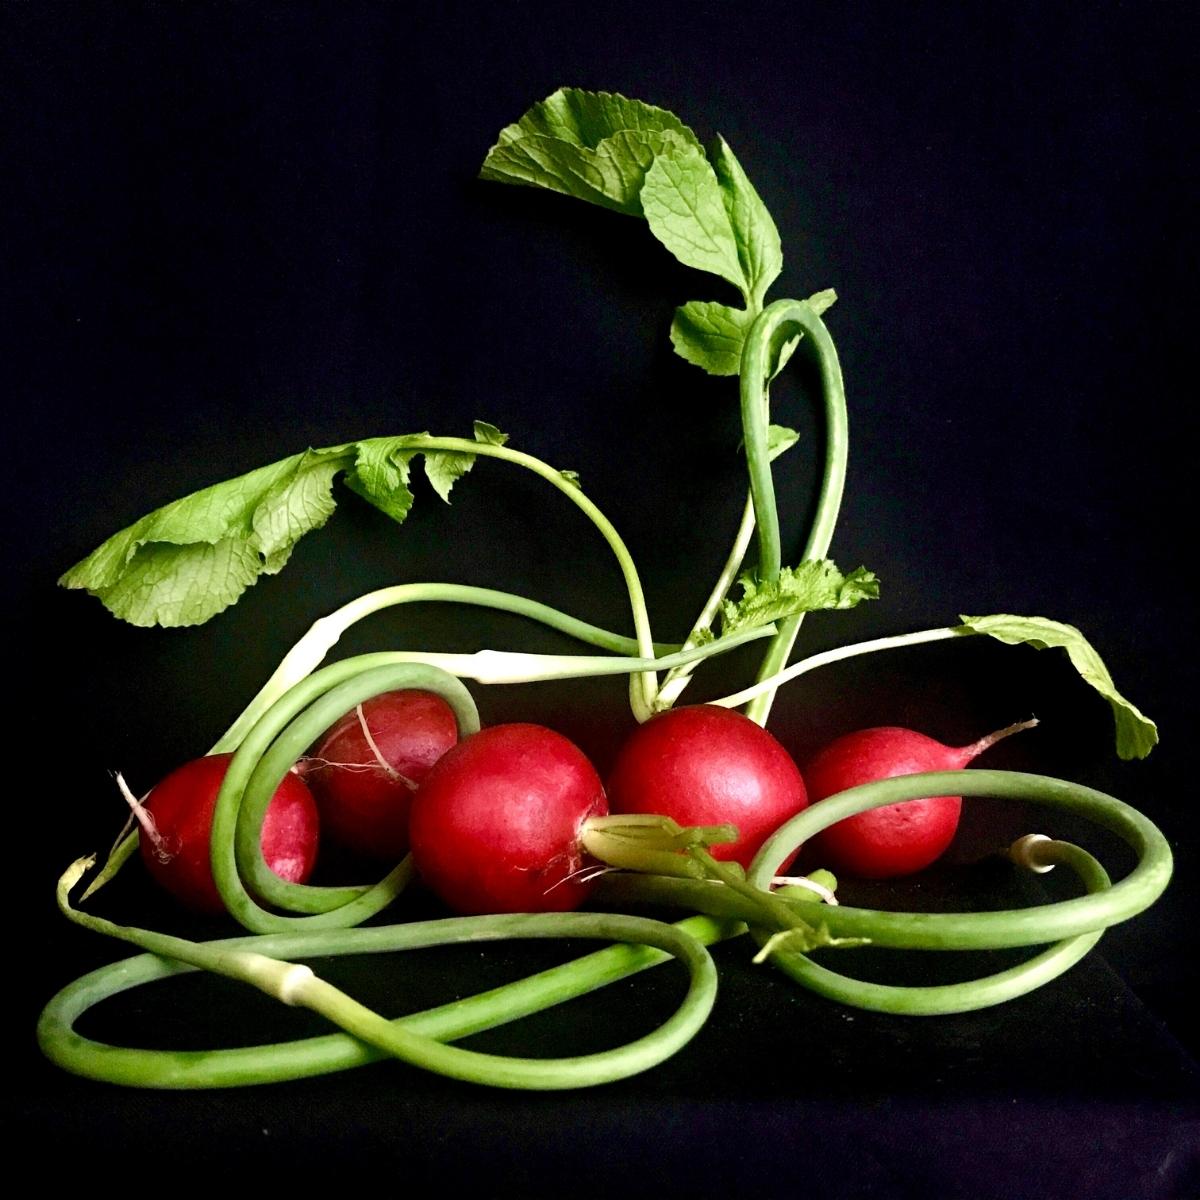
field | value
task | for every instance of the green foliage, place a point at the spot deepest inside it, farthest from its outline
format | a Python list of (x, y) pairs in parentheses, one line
[(637, 159), (192, 558), (810, 587), (1137, 735)]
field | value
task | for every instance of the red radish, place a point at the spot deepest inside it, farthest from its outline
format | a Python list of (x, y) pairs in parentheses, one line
[(366, 768), (900, 838), (704, 765), (495, 827), (175, 839)]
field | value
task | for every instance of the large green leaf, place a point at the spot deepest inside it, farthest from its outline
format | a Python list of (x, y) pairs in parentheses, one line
[(1137, 735), (192, 558)]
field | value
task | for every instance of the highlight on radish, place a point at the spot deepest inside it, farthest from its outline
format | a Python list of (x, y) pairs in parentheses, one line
[(366, 768), (899, 839), (176, 823)]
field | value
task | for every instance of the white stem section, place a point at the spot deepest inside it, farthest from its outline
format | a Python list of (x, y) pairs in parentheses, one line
[(831, 656), (297, 664)]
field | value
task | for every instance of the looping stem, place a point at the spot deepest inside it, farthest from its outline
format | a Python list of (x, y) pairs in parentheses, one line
[(754, 377), (419, 1039)]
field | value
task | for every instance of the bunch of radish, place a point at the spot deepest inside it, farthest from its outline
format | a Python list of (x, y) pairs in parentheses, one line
[(500, 822), (510, 822)]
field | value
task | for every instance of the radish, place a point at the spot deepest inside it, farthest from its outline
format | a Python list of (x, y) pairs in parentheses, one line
[(900, 838), (496, 825), (366, 768), (177, 819), (703, 765)]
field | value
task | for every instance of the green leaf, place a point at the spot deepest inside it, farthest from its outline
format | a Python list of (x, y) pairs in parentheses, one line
[(585, 118), (489, 434), (380, 475), (683, 203), (785, 344), (802, 939), (596, 146), (779, 439), (572, 477), (758, 246), (611, 175), (710, 335), (812, 586), (823, 300), (1137, 735), (192, 558), (443, 468), (188, 560)]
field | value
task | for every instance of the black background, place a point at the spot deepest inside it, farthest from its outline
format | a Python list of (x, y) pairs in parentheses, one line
[(233, 230)]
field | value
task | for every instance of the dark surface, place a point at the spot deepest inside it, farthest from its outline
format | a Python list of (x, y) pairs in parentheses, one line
[(234, 230)]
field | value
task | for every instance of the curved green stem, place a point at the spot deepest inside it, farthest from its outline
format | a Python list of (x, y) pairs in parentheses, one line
[(1074, 925), (755, 373), (301, 715), (308, 653), (679, 677), (280, 737), (417, 1039), (644, 687)]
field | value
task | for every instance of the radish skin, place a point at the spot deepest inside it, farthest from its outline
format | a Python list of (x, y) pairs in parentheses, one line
[(496, 825), (181, 808), (704, 765), (366, 768), (898, 839)]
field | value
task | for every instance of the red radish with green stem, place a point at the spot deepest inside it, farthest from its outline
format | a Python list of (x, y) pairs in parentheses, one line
[(176, 822), (703, 765), (366, 768), (496, 825), (514, 819), (900, 838)]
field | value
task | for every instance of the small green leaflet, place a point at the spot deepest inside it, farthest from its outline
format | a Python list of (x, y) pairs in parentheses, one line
[(785, 343), (379, 474), (711, 335), (192, 558), (1137, 735), (686, 211), (801, 939), (779, 439), (812, 586), (758, 245), (443, 468)]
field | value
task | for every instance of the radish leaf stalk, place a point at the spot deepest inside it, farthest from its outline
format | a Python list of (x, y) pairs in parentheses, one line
[(1136, 734)]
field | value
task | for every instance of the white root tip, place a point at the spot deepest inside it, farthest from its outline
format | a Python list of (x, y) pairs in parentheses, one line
[(1027, 852), (986, 743), (162, 849)]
